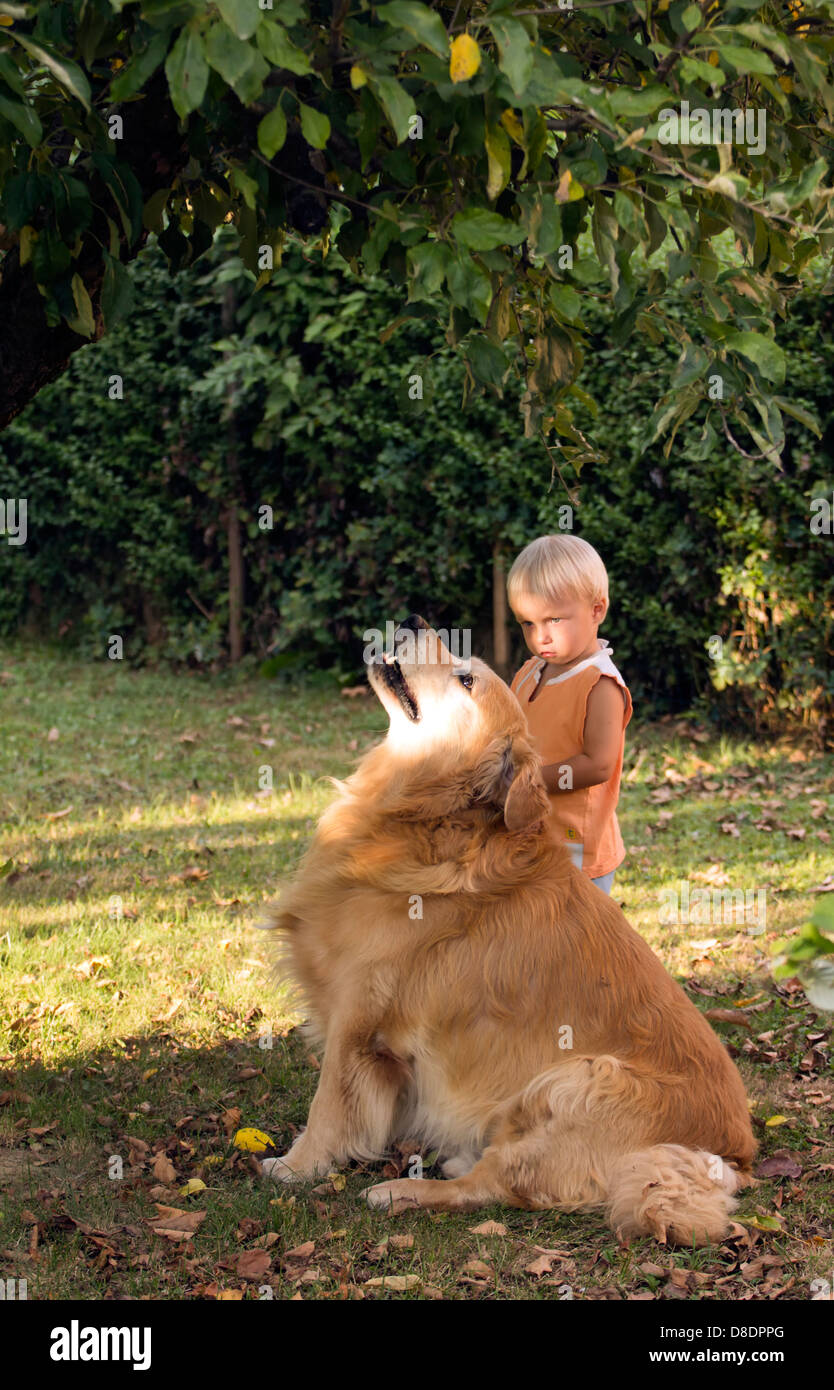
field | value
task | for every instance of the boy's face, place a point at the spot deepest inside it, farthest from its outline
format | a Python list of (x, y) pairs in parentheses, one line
[(560, 630)]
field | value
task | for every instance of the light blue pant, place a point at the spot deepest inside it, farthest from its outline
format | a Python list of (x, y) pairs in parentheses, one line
[(605, 882)]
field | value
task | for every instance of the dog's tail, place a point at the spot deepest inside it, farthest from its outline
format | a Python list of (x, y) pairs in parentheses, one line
[(673, 1193)]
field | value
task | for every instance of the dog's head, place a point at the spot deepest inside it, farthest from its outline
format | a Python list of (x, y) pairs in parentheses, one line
[(458, 727)]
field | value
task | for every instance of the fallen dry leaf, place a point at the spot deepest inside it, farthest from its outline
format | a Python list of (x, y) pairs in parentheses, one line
[(779, 1165), (396, 1282), (301, 1252), (253, 1264), (87, 968), (729, 1016), (175, 1223)]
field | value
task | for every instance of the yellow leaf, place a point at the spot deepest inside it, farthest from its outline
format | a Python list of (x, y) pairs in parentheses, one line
[(357, 77), (83, 324), (28, 237), (512, 125), (713, 58), (253, 1141), (116, 63), (4, 19), (786, 83), (193, 1185), (465, 58), (662, 6), (569, 191), (498, 160), (777, 1120)]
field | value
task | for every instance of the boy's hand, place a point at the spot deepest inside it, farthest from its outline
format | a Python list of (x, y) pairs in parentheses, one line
[(601, 742)]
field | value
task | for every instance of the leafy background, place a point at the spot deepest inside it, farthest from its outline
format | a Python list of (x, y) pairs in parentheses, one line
[(383, 504)]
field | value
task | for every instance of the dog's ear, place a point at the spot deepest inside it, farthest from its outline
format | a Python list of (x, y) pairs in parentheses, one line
[(511, 778), (527, 800)]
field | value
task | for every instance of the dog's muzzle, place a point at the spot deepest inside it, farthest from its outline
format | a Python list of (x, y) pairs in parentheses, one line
[(387, 670)]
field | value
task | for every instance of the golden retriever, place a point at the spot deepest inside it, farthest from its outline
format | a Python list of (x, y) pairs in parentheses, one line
[(474, 991)]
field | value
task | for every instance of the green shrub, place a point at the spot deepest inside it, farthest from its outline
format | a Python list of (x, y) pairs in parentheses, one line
[(382, 505)]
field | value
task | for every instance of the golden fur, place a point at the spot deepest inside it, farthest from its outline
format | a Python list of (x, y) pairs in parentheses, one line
[(519, 1024)]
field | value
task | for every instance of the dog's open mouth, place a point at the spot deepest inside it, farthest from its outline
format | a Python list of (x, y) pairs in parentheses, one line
[(394, 680)]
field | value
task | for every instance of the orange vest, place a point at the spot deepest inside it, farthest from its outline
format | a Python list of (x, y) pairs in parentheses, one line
[(556, 719)]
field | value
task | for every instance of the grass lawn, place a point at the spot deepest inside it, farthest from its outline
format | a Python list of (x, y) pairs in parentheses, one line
[(139, 1028)]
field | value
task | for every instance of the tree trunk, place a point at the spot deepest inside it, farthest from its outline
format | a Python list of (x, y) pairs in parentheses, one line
[(232, 513), (500, 631)]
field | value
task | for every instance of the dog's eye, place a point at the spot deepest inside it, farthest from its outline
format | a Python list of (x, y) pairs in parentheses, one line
[(467, 681)]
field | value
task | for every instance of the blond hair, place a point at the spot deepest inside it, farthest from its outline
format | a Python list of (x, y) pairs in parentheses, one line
[(555, 567)]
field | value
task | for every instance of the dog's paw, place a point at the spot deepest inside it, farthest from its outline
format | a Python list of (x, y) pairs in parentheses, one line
[(280, 1171), (393, 1197)]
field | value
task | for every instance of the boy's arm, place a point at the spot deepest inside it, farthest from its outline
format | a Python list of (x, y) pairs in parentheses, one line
[(600, 742)]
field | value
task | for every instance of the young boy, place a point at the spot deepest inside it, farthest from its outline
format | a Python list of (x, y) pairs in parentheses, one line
[(576, 702)]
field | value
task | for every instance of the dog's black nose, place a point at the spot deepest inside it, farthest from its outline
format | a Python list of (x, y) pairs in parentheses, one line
[(414, 622)]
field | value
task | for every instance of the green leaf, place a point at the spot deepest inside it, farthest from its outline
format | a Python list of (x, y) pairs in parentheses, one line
[(315, 126), (272, 132), (428, 262), (239, 64), (154, 208), (763, 352), (692, 365), (516, 51), (395, 101), (799, 413), (482, 230), (565, 301), (66, 73), (822, 918), (279, 50), (124, 188), (22, 195), (638, 101), (132, 77), (242, 16), (50, 257), (469, 286), (792, 192), (424, 24), (745, 60), (487, 361), (116, 291), (187, 72), (11, 75), (246, 185), (24, 118)]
